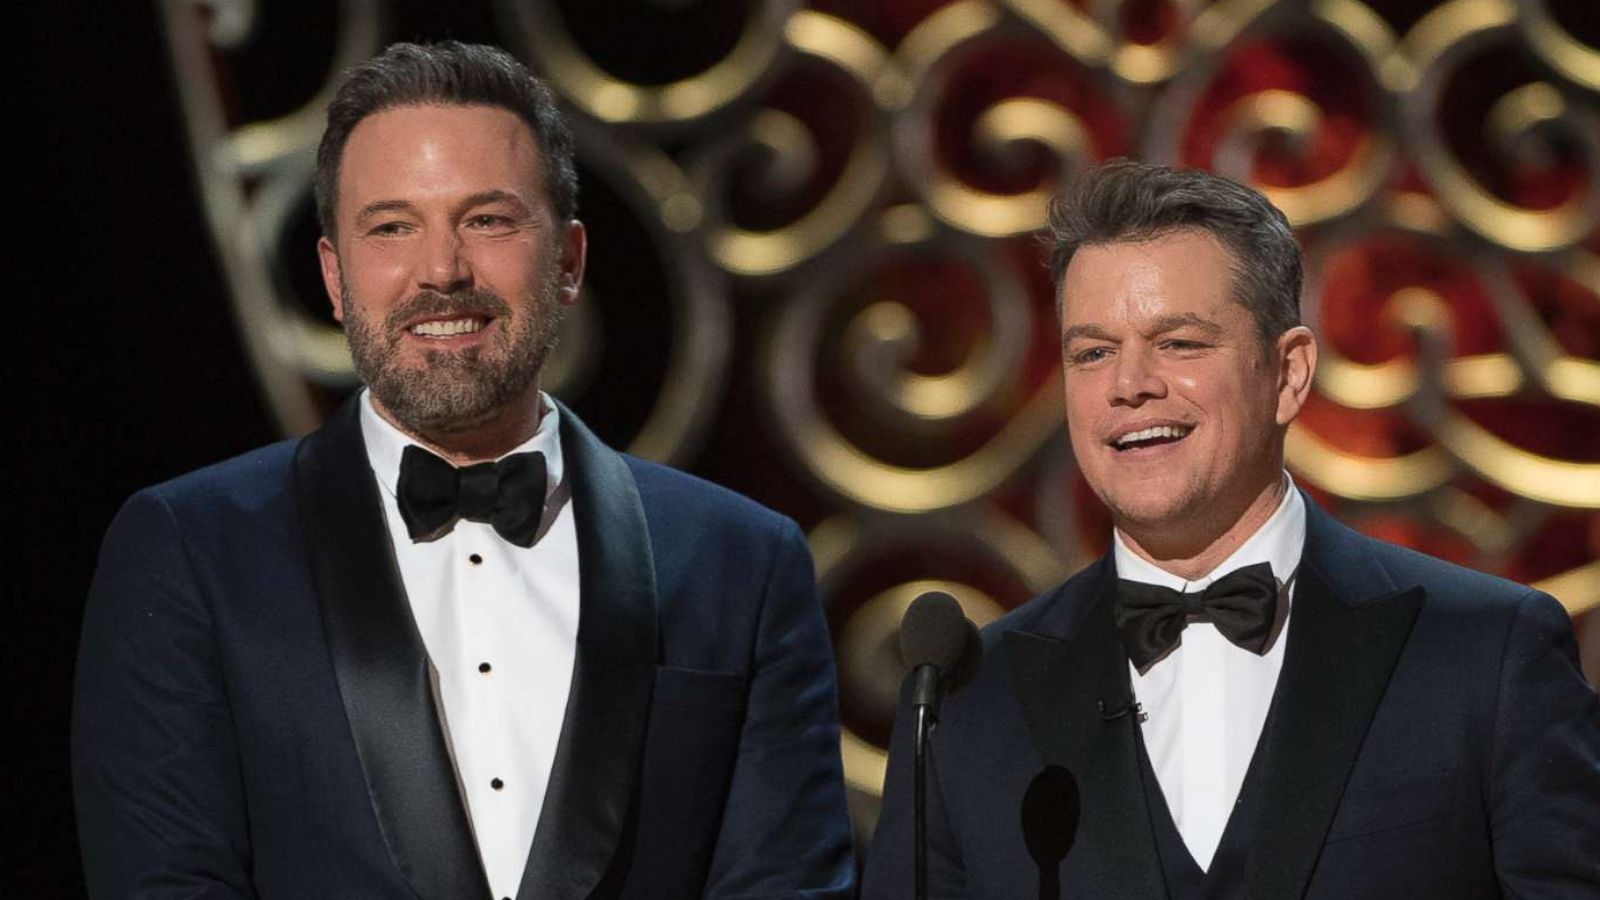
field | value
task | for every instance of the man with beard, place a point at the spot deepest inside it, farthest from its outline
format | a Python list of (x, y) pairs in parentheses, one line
[(1243, 698), (451, 645)]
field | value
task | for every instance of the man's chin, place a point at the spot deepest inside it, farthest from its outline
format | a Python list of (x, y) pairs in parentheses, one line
[(441, 408), (1151, 512)]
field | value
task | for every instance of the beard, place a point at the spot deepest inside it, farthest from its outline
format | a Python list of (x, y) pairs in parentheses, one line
[(453, 390)]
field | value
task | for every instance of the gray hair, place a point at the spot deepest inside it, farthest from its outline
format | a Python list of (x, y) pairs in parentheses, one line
[(1125, 200), (452, 73)]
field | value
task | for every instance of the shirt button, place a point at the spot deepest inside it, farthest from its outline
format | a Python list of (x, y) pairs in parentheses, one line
[(484, 667), (496, 783), (475, 559)]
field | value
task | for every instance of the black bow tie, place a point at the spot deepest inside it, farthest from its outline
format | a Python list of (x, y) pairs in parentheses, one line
[(1243, 606), (507, 494)]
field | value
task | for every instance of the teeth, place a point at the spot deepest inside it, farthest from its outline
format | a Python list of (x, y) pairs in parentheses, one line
[(1147, 434), (447, 327)]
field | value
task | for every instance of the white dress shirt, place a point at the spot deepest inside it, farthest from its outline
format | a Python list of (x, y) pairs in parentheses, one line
[(1206, 702), (500, 624)]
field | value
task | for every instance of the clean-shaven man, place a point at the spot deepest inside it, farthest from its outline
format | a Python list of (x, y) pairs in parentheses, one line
[(451, 645), (1253, 700)]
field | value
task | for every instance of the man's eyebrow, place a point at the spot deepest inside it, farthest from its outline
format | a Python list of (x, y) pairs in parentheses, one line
[(1167, 324), (494, 195), (381, 206), (1093, 332), (1163, 325), (481, 198)]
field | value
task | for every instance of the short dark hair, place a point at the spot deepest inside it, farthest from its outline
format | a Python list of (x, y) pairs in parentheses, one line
[(447, 73), (1125, 200)]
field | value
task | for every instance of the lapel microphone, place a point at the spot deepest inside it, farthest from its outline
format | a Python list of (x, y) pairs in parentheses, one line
[(1110, 713), (1050, 812), (941, 647)]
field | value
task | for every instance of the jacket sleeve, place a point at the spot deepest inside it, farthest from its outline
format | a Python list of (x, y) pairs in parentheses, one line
[(1545, 794), (155, 762), (785, 832), (890, 872)]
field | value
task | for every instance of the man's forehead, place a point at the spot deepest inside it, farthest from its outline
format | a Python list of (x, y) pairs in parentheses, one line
[(405, 143), (1184, 252), (441, 114), (1180, 273)]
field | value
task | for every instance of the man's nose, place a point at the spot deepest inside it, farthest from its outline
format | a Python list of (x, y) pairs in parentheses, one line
[(1136, 378), (444, 266)]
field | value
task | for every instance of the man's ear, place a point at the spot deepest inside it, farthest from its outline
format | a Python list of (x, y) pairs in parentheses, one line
[(329, 260), (1296, 351), (574, 252)]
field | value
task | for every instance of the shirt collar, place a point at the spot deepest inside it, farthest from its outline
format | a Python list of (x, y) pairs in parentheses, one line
[(385, 443), (1279, 541)]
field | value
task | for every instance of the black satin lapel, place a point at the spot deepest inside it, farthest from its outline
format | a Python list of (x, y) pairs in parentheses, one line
[(591, 789), (382, 666), (1335, 671), (1067, 685)]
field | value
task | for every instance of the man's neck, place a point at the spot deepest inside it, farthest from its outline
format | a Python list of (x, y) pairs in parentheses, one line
[(483, 440), (1195, 555)]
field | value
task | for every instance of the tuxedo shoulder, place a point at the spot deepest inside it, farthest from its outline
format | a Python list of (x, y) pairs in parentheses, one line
[(685, 501), (243, 483), (1447, 584), (248, 497)]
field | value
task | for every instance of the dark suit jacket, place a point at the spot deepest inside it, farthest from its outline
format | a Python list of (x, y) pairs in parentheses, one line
[(254, 717), (1430, 736)]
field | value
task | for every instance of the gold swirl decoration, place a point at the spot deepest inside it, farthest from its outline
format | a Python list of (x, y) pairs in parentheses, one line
[(1293, 118), (250, 177), (1451, 35), (1534, 362), (927, 55), (664, 201), (878, 334), (791, 158), (881, 337), (1096, 39), (543, 36), (1577, 62)]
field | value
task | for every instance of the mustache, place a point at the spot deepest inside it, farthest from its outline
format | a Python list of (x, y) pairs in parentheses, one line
[(429, 304)]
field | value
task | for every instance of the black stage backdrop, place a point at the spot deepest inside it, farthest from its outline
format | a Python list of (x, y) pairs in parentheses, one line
[(124, 382)]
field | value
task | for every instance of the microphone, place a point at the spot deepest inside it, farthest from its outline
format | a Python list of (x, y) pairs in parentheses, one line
[(935, 640), (1050, 811), (1109, 713)]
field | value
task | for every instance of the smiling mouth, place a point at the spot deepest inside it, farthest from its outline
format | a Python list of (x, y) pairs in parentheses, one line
[(444, 328), (1153, 436)]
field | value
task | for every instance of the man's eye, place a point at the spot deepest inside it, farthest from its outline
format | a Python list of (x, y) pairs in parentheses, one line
[(487, 220), (387, 229), (1182, 345), (1091, 355)]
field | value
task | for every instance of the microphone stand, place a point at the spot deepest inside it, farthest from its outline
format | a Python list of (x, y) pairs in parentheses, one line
[(920, 814), (925, 700)]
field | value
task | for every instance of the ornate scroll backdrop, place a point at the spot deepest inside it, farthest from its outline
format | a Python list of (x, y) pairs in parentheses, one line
[(814, 276)]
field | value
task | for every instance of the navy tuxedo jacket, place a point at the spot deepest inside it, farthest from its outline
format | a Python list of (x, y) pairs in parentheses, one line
[(254, 715), (1430, 736)]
